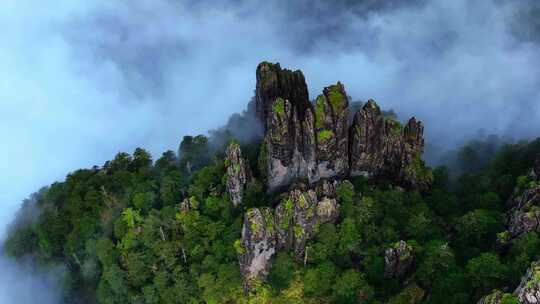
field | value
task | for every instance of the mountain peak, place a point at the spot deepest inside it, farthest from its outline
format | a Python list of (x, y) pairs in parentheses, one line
[(314, 141)]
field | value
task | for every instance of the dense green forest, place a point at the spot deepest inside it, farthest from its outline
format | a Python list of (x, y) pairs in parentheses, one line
[(124, 238)]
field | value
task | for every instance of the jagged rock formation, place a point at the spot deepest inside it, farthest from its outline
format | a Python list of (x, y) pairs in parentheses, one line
[(398, 260), (524, 213), (238, 173), (528, 291), (380, 147), (288, 227), (305, 141), (274, 82)]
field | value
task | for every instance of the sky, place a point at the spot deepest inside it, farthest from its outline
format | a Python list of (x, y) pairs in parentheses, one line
[(83, 80)]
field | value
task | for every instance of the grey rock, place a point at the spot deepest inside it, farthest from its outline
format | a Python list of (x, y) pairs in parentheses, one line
[(238, 173), (288, 227), (274, 82), (259, 244), (528, 291), (381, 148), (305, 141), (398, 260), (524, 214)]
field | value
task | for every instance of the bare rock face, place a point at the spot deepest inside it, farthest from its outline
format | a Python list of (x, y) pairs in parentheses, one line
[(381, 147), (238, 173), (274, 82), (258, 244), (523, 221), (281, 146), (331, 127), (311, 146), (288, 227), (528, 291), (305, 141), (398, 260), (524, 213)]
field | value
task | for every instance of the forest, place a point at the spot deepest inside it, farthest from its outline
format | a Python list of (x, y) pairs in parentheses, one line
[(121, 232)]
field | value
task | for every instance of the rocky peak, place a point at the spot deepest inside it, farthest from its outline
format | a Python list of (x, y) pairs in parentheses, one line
[(305, 141), (381, 148), (287, 227), (331, 127), (238, 173), (274, 82)]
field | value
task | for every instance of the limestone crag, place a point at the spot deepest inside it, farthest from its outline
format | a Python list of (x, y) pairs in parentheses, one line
[(528, 291), (310, 142), (258, 245), (381, 147), (398, 260), (238, 173), (331, 127), (288, 227), (274, 82), (524, 213)]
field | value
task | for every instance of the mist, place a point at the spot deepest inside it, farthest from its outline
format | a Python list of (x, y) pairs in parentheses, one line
[(84, 80)]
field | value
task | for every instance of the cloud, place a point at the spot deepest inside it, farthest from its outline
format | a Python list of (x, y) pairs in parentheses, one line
[(21, 284), (82, 80)]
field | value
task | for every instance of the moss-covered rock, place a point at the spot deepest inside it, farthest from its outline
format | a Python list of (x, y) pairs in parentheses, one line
[(381, 148), (288, 227), (398, 260), (238, 173)]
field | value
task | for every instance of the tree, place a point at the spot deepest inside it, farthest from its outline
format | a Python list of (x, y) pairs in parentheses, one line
[(437, 259), (318, 281), (351, 287), (486, 271)]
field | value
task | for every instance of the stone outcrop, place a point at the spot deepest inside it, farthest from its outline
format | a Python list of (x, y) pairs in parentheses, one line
[(381, 147), (288, 227), (524, 213), (398, 260), (308, 147), (528, 291), (258, 244), (331, 129), (310, 142), (274, 82), (238, 173)]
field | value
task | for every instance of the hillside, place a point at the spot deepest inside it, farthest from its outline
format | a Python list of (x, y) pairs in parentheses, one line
[(326, 206)]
